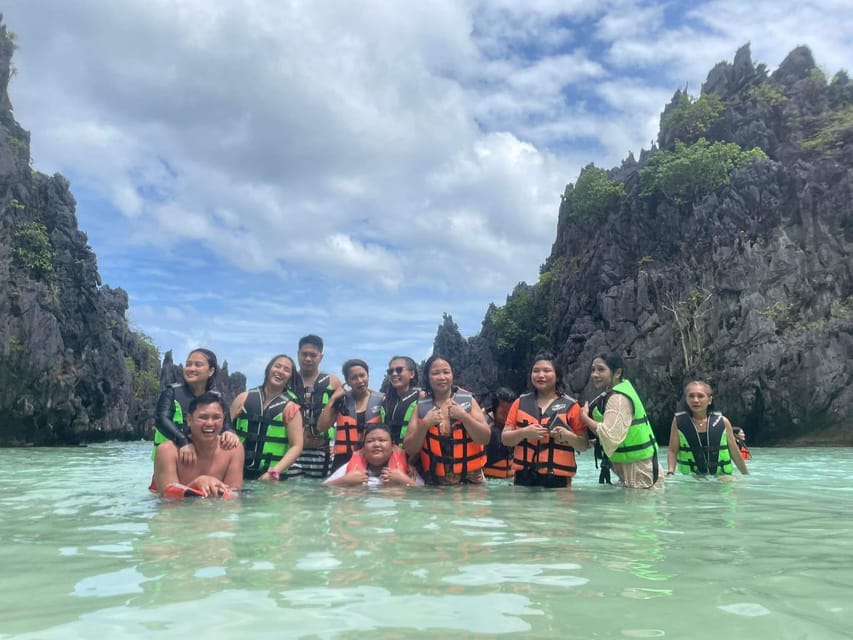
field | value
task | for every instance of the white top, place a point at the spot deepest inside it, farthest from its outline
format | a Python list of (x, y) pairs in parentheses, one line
[(372, 480)]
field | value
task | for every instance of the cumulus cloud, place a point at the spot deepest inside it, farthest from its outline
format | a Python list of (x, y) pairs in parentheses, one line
[(253, 170)]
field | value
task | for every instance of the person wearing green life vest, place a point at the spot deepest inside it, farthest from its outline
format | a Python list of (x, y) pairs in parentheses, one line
[(173, 404), (401, 396), (269, 422), (312, 389), (618, 420), (702, 441)]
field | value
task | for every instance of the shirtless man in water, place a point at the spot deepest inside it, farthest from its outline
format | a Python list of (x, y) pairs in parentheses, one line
[(216, 471)]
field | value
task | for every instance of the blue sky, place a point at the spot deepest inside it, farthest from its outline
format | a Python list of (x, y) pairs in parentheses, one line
[(250, 171)]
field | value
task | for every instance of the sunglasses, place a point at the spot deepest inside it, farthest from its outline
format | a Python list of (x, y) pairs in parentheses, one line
[(397, 370)]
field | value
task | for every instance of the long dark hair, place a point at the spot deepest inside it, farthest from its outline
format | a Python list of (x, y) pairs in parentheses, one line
[(412, 366), (211, 362), (612, 361), (268, 368)]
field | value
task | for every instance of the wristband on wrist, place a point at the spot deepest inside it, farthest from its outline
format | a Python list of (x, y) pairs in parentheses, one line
[(670, 473), (275, 475)]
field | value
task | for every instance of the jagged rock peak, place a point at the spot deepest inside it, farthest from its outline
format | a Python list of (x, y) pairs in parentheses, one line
[(728, 78), (797, 65)]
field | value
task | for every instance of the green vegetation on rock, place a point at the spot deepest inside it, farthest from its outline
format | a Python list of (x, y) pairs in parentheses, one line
[(690, 118), (693, 171), (594, 194), (146, 383), (32, 248), (836, 130), (768, 94)]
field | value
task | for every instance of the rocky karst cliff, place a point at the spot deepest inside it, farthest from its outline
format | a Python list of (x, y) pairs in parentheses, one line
[(71, 370), (744, 281)]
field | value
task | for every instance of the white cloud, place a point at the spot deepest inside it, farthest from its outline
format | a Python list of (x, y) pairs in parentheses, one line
[(255, 170)]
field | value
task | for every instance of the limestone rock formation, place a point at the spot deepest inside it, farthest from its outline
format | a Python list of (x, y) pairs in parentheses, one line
[(747, 285), (71, 370)]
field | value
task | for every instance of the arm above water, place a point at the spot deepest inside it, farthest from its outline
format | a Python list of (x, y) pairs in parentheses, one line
[(734, 450), (612, 430)]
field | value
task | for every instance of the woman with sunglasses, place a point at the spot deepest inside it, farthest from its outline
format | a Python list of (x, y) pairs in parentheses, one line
[(402, 396)]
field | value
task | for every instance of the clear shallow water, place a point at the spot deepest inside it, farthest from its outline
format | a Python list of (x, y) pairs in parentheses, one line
[(87, 553)]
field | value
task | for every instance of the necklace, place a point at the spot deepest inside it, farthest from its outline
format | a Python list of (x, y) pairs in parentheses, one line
[(701, 425)]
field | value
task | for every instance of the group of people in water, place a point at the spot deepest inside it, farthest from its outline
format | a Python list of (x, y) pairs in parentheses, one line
[(302, 422)]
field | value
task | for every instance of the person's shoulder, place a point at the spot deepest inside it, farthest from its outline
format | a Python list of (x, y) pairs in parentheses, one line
[(234, 453), (169, 389), (573, 402), (166, 450), (619, 399)]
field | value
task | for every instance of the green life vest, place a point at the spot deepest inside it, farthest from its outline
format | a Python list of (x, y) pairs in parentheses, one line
[(693, 457), (262, 431), (397, 412), (639, 443)]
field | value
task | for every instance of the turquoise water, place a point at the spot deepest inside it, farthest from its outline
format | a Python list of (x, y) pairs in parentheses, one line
[(87, 553)]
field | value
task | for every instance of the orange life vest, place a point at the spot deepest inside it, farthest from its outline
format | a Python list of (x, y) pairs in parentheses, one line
[(398, 461), (455, 452), (349, 432), (744, 452), (499, 469), (546, 457)]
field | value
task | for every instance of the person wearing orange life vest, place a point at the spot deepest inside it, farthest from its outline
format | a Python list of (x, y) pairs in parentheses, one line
[(546, 429), (498, 455), (448, 429), (378, 463), (740, 438), (351, 411)]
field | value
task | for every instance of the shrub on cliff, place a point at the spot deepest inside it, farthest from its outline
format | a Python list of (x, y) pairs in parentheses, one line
[(32, 249), (689, 119), (836, 131), (594, 193), (692, 171)]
